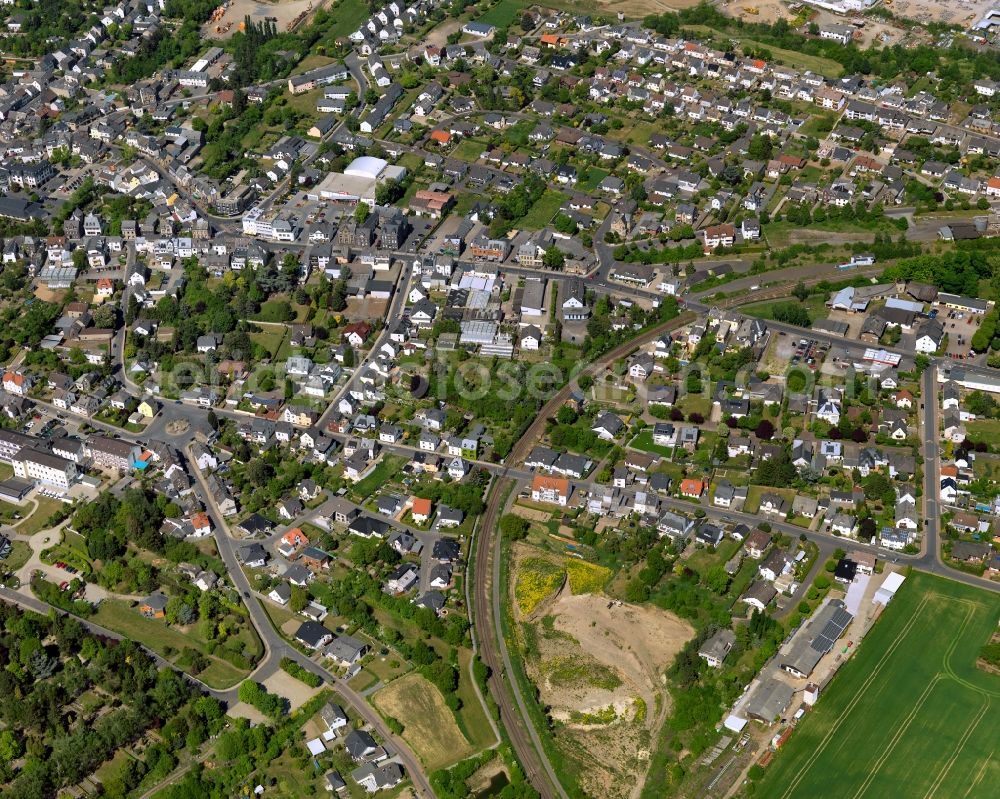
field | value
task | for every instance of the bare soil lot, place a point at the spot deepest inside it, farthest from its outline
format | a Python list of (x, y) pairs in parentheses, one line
[(438, 37), (637, 9), (599, 667), (636, 641), (295, 691), (964, 12), (369, 308), (284, 11), (531, 514), (768, 10)]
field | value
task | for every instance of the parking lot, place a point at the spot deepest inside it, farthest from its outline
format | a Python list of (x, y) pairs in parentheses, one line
[(960, 327), (809, 353), (47, 424)]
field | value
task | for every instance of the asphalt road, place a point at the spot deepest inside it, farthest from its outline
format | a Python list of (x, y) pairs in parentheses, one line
[(394, 313), (276, 648), (929, 432), (486, 591), (32, 603)]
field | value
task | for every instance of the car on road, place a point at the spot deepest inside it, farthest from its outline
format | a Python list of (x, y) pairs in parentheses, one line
[(246, 594)]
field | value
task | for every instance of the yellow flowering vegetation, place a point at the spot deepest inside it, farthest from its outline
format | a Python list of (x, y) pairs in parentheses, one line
[(586, 578), (537, 578)]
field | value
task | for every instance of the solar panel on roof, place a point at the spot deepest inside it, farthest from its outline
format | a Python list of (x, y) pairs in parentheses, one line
[(841, 618), (832, 630)]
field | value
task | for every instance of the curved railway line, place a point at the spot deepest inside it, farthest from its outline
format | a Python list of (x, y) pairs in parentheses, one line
[(486, 610)]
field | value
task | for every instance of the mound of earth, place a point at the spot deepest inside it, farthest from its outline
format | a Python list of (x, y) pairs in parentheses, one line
[(599, 668)]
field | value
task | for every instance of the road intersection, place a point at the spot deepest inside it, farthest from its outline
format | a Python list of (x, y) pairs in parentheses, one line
[(509, 476)]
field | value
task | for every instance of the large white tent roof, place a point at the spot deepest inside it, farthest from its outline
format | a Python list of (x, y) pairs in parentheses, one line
[(366, 167)]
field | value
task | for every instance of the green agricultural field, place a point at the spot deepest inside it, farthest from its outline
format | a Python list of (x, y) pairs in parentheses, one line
[(910, 716)]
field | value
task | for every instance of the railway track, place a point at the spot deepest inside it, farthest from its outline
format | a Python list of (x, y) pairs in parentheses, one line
[(486, 612)]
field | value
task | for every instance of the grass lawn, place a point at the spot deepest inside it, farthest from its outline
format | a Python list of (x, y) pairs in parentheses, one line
[(10, 513), (278, 615), (381, 474), (468, 150), (429, 726), (362, 681), (19, 554), (644, 441), (411, 161), (69, 555), (983, 429), (695, 403), (36, 521), (259, 138), (349, 15), (221, 674), (463, 205), (815, 304), (824, 66), (590, 177), (305, 103), (909, 715), (273, 311), (6, 471), (411, 192), (812, 174), (313, 61), (504, 13), (819, 124), (754, 494), (986, 465), (292, 778), (270, 339), (636, 131), (471, 718), (168, 641), (111, 767), (703, 559), (388, 668), (541, 213), (403, 106), (781, 234)]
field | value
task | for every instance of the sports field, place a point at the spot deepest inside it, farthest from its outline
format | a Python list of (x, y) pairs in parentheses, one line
[(910, 716)]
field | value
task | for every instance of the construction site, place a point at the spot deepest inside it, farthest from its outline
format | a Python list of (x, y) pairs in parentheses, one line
[(286, 15)]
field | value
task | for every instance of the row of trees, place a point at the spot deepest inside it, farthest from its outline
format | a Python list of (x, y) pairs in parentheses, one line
[(950, 64)]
